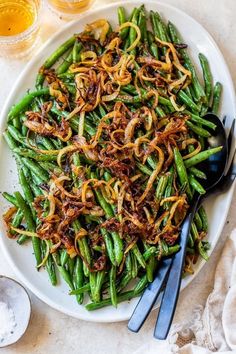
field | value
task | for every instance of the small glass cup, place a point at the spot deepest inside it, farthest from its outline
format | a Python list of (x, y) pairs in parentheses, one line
[(68, 9), (19, 27)]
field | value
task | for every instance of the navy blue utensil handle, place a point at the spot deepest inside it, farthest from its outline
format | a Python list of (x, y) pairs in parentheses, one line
[(149, 297), (171, 292)]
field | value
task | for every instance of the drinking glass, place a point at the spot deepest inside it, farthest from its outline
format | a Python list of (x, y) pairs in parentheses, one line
[(19, 26), (68, 9)]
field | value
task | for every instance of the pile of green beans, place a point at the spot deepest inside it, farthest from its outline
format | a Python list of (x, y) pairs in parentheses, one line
[(127, 258)]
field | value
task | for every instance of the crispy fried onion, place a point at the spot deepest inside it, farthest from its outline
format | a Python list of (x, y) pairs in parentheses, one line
[(39, 124)]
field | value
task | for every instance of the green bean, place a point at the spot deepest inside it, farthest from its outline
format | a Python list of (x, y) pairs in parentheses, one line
[(28, 194), (76, 52), (181, 170), (125, 31), (190, 241), (132, 31), (36, 190), (66, 276), (9, 140), (202, 251), (49, 265), (92, 281), (10, 198), (49, 145), (36, 169), (154, 50), (64, 256), (113, 293), (202, 142), (78, 278), (16, 135), (128, 263), (204, 110), (201, 156), (128, 295), (207, 76), (16, 221), (121, 17), (83, 246), (196, 185), (216, 97), (149, 252), (63, 67), (30, 225), (169, 187), (196, 172), (141, 284), (142, 25), (160, 112), (143, 168), (198, 221), (203, 216), (126, 278), (138, 256), (150, 38), (198, 90), (58, 53), (22, 239), (34, 155), (98, 248), (198, 130), (152, 161), (161, 31), (26, 101), (134, 271), (190, 250), (109, 245), (195, 118), (71, 265), (17, 123), (154, 24), (99, 282), (48, 166), (194, 231), (118, 245), (172, 250), (26, 211), (36, 179), (183, 97), (83, 289), (151, 265), (161, 187)]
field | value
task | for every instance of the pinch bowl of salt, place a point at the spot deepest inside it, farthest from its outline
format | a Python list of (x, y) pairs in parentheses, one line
[(15, 309)]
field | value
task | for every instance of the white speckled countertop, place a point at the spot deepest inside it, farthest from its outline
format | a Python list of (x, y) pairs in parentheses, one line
[(52, 332)]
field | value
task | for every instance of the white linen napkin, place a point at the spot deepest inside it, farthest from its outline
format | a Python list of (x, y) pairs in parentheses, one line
[(212, 329)]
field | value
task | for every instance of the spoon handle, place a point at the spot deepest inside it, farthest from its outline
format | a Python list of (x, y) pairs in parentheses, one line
[(171, 292), (149, 297)]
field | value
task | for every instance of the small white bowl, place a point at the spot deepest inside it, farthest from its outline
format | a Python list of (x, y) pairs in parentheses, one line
[(17, 299)]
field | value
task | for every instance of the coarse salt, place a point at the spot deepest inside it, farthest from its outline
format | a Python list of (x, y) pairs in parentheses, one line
[(7, 321)]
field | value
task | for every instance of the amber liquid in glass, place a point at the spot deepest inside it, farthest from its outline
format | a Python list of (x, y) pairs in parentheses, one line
[(16, 16), (70, 6), (18, 29)]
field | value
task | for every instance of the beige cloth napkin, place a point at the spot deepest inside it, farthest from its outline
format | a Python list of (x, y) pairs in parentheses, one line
[(212, 329)]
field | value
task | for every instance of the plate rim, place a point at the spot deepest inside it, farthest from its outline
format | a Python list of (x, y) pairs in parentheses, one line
[(3, 118)]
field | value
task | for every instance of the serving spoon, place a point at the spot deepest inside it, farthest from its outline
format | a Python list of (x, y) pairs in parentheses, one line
[(214, 167)]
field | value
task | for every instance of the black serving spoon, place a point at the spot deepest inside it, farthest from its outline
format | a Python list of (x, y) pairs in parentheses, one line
[(171, 268)]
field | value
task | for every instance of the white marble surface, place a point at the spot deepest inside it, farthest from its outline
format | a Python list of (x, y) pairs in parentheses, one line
[(52, 332)]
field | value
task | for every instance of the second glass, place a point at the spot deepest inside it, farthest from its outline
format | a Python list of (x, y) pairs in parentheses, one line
[(69, 8)]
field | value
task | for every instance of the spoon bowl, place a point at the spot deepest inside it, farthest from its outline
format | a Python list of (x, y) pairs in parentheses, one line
[(215, 165)]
